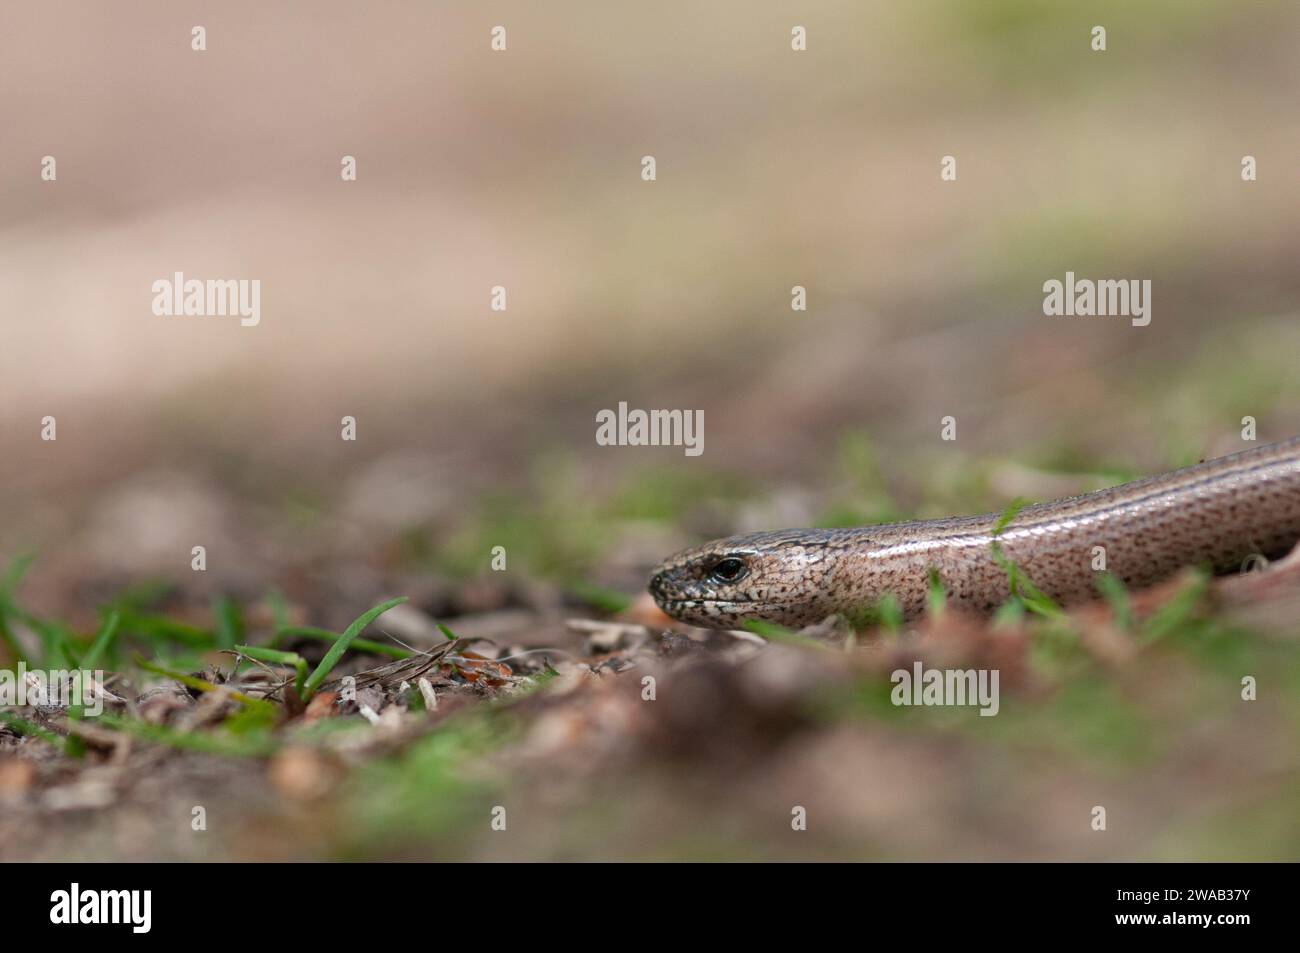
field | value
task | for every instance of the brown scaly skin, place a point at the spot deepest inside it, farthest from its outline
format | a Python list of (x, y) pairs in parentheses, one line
[(1217, 513)]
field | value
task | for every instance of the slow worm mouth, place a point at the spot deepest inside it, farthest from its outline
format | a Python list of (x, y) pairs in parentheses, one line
[(730, 605)]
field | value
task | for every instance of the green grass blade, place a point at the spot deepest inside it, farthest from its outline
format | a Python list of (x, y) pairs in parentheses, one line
[(158, 628), (1010, 513), (341, 645), (936, 600), (277, 657), (279, 609), (230, 622), (25, 727), (8, 638), (1023, 588), (76, 746), (1117, 597), (13, 576), (779, 633), (1179, 611), (103, 641)]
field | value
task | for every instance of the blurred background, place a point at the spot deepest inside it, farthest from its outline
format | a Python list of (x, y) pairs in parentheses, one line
[(522, 168)]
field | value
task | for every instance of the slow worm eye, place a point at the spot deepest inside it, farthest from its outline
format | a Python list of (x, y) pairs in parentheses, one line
[(728, 569)]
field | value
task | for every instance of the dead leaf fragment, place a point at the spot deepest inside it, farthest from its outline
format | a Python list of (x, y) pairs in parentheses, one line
[(321, 706)]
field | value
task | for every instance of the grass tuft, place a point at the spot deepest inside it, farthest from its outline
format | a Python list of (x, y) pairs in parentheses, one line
[(341, 645)]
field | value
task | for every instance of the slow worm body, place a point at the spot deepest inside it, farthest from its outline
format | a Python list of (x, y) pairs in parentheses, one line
[(1218, 513)]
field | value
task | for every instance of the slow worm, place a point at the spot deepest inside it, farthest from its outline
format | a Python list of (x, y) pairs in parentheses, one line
[(1217, 514)]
